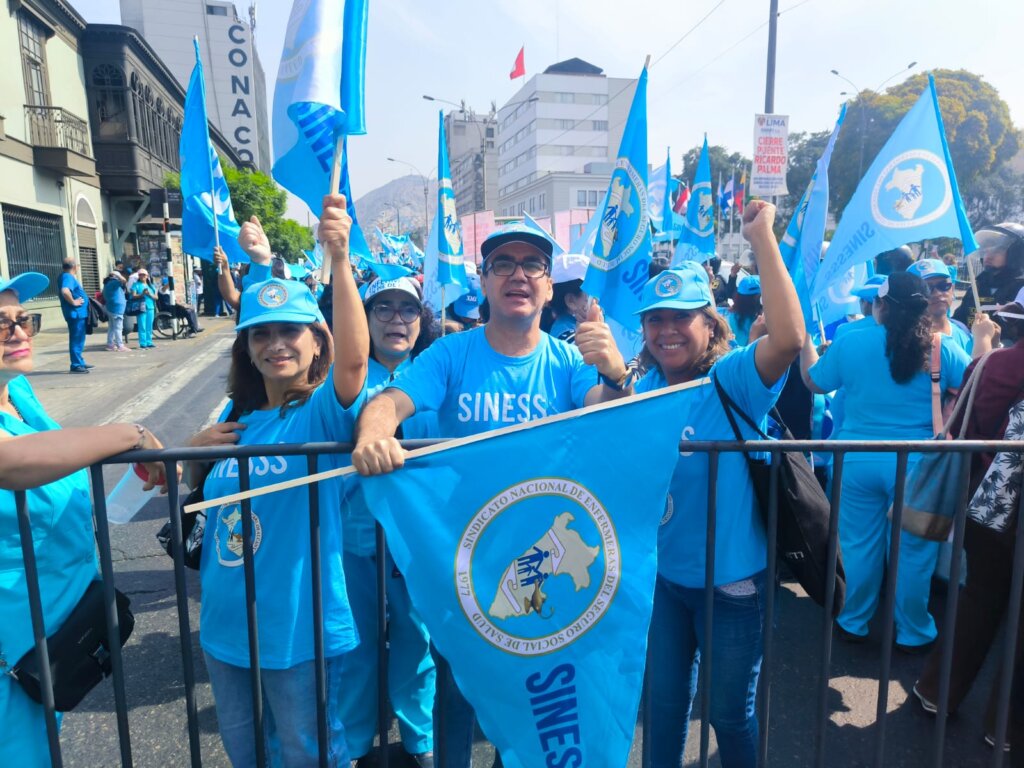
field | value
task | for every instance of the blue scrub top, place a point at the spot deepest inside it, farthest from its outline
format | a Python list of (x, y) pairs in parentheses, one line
[(281, 542), (474, 389), (875, 407), (70, 312), (741, 545), (146, 292)]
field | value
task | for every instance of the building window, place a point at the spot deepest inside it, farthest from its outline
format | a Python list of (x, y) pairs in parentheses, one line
[(581, 198), (599, 125), (110, 99), (216, 10), (592, 198), (32, 36), (35, 243), (489, 133), (542, 202)]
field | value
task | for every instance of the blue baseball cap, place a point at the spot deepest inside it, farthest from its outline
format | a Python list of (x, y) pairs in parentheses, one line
[(278, 301), (749, 286), (516, 232), (683, 287), (925, 268), (468, 305), (26, 286), (869, 291)]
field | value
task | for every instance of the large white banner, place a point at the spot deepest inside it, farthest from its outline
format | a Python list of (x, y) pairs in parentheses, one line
[(771, 156)]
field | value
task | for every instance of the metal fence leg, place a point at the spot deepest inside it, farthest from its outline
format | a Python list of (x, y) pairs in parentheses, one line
[(113, 630), (319, 660), (706, 656), (252, 626), (383, 713), (830, 596), (764, 687)]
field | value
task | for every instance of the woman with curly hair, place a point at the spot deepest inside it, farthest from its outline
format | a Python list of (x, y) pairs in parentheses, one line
[(883, 372)]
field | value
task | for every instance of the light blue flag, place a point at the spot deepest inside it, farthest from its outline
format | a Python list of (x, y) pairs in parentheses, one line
[(531, 222), (434, 294), (415, 253), (319, 93), (697, 238), (541, 570), (837, 302), (383, 269), (909, 194), (203, 189), (584, 242), (801, 244), (451, 270), (620, 262)]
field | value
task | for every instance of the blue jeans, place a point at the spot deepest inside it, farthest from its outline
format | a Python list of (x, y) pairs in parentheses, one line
[(76, 341), (289, 714), (114, 325), (676, 638)]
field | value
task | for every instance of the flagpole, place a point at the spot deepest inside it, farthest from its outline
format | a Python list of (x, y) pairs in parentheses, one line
[(974, 283), (325, 266), (444, 305)]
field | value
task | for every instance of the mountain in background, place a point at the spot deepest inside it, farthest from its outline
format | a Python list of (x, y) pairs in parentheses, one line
[(397, 207)]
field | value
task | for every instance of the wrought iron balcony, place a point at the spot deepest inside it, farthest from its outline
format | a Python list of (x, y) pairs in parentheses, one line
[(60, 141)]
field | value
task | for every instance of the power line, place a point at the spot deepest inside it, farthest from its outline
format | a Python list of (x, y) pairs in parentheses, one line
[(688, 32)]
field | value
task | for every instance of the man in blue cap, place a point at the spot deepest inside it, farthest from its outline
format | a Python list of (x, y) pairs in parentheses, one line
[(504, 372), (940, 281)]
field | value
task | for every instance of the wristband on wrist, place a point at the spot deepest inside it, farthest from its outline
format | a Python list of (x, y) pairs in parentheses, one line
[(618, 386), (142, 437)]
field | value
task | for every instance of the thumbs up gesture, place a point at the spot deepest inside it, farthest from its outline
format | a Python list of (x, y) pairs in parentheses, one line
[(595, 342)]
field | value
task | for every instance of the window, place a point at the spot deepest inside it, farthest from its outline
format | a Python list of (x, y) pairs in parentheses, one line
[(216, 10), (581, 198), (599, 125), (32, 37), (35, 243), (489, 133), (592, 198), (542, 202), (110, 101)]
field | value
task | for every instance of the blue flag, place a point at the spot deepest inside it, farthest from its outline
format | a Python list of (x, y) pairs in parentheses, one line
[(909, 194), (541, 570), (801, 244), (697, 238), (384, 270), (620, 262), (659, 200), (451, 270), (206, 201), (319, 93), (416, 253)]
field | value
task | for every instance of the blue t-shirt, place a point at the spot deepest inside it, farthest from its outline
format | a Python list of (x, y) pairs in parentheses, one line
[(281, 542), (114, 296), (71, 312), (474, 389), (740, 328), (837, 403), (564, 327), (359, 526), (868, 321), (875, 407), (147, 293), (741, 545), (961, 337)]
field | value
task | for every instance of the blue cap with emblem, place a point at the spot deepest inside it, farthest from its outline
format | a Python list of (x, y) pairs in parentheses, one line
[(26, 286), (925, 268), (749, 286), (683, 287), (517, 232), (278, 301), (869, 291)]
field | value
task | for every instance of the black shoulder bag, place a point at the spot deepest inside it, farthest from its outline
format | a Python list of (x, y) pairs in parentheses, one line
[(803, 511), (193, 524), (79, 651)]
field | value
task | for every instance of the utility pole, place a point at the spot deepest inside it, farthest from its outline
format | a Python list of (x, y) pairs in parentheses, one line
[(773, 33), (169, 269)]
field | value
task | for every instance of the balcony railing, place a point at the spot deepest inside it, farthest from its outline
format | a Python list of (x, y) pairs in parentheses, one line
[(58, 128)]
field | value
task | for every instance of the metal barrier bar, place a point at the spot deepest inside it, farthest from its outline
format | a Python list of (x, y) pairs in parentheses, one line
[(383, 713), (184, 624), (830, 596), (1011, 640), (949, 621), (706, 655), (771, 580), (35, 607), (319, 661), (259, 726), (110, 605), (889, 607)]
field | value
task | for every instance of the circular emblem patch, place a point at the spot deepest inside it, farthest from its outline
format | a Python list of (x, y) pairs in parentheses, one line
[(668, 285), (227, 535), (913, 189), (272, 296), (538, 566), (626, 221)]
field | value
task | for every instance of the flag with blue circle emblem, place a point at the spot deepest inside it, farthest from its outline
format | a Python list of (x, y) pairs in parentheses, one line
[(533, 566), (206, 212), (697, 237), (621, 258), (319, 93), (451, 270), (909, 193)]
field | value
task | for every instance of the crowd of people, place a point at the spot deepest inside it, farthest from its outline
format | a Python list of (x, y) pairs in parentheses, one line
[(366, 361)]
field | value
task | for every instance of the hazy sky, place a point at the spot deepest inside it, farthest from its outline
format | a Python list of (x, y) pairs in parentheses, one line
[(708, 71)]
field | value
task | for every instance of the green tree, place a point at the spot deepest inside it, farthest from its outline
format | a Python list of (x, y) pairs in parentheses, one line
[(288, 239), (722, 162), (979, 131)]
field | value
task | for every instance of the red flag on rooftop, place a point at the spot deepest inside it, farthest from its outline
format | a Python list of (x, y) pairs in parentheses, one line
[(519, 69)]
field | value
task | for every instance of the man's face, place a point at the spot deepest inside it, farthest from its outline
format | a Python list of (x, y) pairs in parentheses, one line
[(940, 295), (511, 293)]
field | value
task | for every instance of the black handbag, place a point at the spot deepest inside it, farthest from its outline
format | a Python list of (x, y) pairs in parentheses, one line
[(803, 511), (79, 651)]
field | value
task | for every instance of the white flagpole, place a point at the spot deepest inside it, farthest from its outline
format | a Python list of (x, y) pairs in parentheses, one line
[(325, 266), (974, 283), (444, 306)]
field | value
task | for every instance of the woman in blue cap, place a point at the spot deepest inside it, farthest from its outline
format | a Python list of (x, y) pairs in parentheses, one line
[(290, 382), (882, 371), (37, 456), (401, 326), (745, 309), (686, 339)]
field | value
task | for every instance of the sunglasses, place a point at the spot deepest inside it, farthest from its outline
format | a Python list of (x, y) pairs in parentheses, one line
[(504, 266), (385, 312), (30, 324), (943, 287)]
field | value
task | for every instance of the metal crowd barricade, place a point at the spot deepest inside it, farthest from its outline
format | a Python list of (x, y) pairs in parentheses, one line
[(837, 449)]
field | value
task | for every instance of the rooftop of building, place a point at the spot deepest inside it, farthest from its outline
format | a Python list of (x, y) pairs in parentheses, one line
[(574, 66)]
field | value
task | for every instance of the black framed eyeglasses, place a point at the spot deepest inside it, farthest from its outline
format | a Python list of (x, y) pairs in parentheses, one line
[(945, 285), (505, 266), (385, 312), (30, 324)]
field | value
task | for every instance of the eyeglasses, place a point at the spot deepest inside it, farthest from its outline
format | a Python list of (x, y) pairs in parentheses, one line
[(503, 266), (945, 285), (385, 312), (30, 324)]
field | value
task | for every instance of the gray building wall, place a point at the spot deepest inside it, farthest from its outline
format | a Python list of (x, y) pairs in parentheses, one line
[(473, 160)]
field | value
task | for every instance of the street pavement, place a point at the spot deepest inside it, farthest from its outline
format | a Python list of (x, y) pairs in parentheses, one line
[(178, 387)]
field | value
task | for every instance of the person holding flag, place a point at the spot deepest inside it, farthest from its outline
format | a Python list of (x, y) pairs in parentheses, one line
[(939, 280), (505, 372), (1002, 256)]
